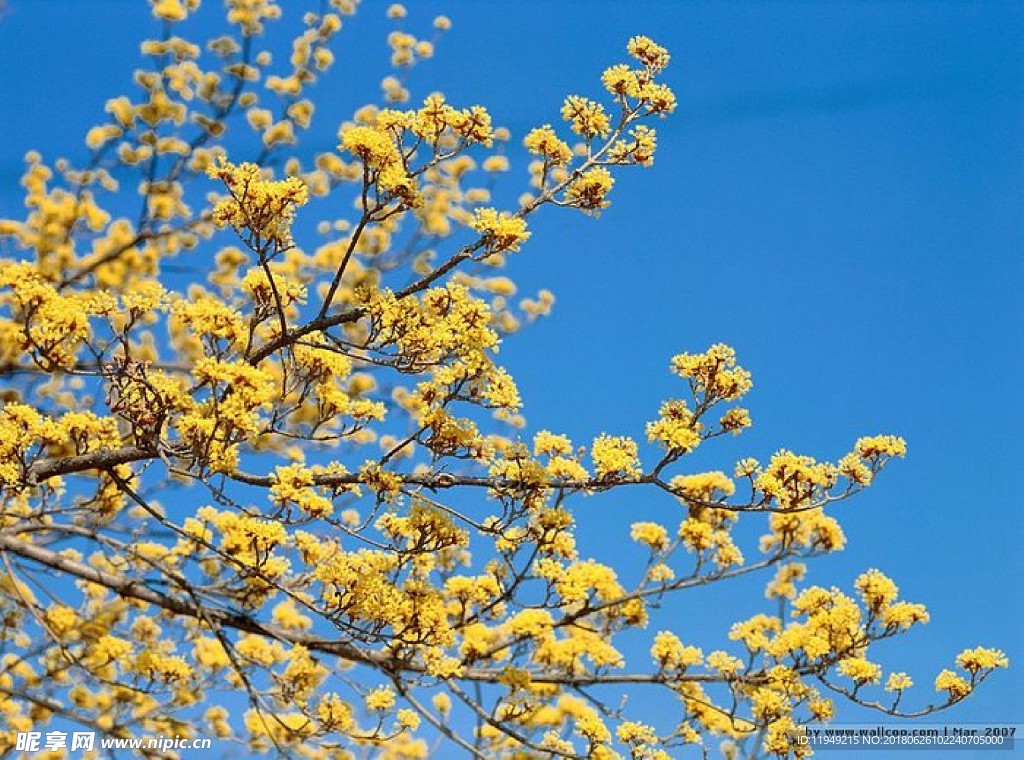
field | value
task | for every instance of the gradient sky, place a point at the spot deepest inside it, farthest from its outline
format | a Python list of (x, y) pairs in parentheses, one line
[(838, 196)]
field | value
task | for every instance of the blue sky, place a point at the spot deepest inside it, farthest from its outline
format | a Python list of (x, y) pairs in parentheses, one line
[(838, 196)]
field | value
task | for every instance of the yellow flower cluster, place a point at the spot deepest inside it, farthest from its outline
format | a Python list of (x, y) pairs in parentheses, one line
[(106, 652), (735, 421), (445, 322), (615, 457), (546, 442), (425, 529), (860, 671), (833, 623), (210, 653), (267, 290), (954, 685), (238, 392), (302, 676), (265, 208), (501, 231), (570, 653), (49, 325), (898, 682), (704, 486), (794, 480), (334, 713), (639, 84), (714, 373), (588, 191), (20, 428), (651, 535), (530, 622), (25, 434), (173, 10), (326, 372), (162, 667), (249, 540), (649, 53), (385, 483), (293, 485), (670, 654), (637, 148), (873, 447), (812, 529), (725, 663), (708, 530), (633, 732), (436, 117), (877, 590), (562, 460), (586, 117), (377, 149), (676, 428), (250, 14), (209, 317), (55, 216), (979, 659), (580, 580), (544, 142), (62, 621), (379, 142), (783, 585)]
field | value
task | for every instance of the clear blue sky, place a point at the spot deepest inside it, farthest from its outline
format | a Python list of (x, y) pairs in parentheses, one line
[(838, 196)]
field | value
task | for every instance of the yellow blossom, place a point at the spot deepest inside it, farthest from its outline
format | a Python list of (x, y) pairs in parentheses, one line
[(615, 456), (382, 698), (898, 682), (264, 208), (500, 231)]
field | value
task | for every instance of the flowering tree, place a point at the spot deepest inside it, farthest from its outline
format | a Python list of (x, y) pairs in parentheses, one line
[(286, 503)]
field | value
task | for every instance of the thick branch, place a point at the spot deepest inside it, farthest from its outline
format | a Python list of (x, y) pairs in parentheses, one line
[(95, 460)]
